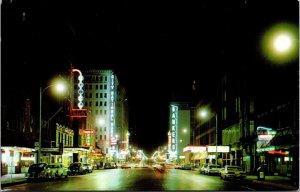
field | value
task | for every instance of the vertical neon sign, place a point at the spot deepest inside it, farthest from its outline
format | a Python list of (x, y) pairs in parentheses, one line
[(112, 105), (80, 90), (174, 114)]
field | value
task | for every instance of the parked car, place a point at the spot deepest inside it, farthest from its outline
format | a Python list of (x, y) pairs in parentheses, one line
[(88, 168), (187, 166), (110, 165), (76, 168), (233, 172), (125, 166), (55, 170), (222, 169), (212, 169), (203, 168), (35, 171)]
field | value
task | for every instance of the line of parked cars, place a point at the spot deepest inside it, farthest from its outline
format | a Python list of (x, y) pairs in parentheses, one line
[(80, 168), (46, 171), (56, 170), (226, 172)]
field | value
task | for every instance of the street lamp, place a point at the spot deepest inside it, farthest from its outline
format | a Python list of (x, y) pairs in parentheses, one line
[(280, 43), (60, 87), (204, 114)]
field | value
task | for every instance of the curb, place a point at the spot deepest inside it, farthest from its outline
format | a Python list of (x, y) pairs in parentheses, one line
[(3, 185)]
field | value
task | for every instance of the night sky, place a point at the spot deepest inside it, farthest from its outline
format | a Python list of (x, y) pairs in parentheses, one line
[(157, 48)]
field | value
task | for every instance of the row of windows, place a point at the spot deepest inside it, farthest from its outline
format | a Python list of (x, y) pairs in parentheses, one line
[(64, 138), (90, 87), (102, 112), (103, 137), (101, 103), (96, 78), (97, 95), (104, 128)]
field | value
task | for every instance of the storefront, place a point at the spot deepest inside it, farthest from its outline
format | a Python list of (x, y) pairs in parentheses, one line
[(16, 159), (71, 155)]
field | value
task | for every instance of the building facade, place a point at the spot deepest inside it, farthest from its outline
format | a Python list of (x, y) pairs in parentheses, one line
[(107, 116), (179, 135)]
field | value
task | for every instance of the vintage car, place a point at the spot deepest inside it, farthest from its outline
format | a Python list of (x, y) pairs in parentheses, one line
[(35, 171), (76, 168), (212, 169), (55, 170), (88, 168), (203, 168), (232, 172)]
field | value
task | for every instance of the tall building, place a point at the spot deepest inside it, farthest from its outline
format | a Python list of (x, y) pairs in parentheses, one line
[(107, 117), (179, 131)]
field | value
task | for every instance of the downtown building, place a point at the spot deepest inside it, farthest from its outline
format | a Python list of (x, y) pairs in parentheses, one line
[(105, 127), (179, 135)]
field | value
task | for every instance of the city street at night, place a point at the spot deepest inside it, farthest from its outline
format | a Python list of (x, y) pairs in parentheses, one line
[(149, 95), (142, 179)]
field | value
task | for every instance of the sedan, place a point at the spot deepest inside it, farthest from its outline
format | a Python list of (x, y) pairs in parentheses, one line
[(55, 170), (233, 172)]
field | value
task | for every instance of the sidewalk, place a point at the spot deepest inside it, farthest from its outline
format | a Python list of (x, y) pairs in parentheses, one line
[(12, 179), (275, 181)]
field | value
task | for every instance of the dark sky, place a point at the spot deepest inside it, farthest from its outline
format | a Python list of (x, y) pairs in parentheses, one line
[(156, 47)]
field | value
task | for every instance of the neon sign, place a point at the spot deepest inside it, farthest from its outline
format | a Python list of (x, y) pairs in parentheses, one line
[(80, 90), (174, 114), (112, 106)]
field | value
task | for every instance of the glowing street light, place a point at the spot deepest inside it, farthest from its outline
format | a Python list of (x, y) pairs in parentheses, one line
[(60, 87), (280, 43), (204, 114)]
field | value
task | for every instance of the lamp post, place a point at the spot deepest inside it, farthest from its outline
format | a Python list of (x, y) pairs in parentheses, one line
[(60, 87), (204, 114)]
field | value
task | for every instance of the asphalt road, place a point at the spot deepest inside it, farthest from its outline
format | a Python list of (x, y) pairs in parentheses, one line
[(140, 179)]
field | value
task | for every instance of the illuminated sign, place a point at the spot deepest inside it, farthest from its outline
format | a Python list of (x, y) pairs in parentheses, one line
[(80, 88), (221, 149), (195, 149), (211, 148), (174, 116), (112, 105), (113, 141), (279, 152), (265, 137), (78, 113), (87, 131), (270, 148)]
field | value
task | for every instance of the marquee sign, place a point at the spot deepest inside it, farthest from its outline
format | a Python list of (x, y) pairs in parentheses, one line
[(195, 149), (78, 113), (86, 131)]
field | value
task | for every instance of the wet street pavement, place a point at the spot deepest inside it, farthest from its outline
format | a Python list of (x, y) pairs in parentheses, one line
[(140, 179)]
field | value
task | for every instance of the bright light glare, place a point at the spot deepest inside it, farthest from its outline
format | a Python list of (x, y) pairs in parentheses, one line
[(60, 87), (184, 130), (282, 43), (203, 113), (100, 121)]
